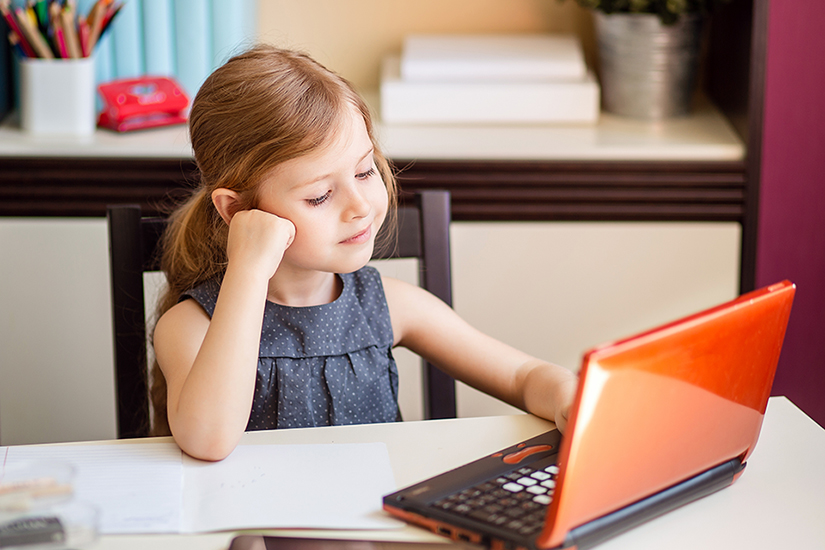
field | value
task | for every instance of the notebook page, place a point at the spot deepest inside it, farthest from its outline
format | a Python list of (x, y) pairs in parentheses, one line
[(137, 488), (322, 486)]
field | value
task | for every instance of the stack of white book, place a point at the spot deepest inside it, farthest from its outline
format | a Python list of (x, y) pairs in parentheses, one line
[(489, 79)]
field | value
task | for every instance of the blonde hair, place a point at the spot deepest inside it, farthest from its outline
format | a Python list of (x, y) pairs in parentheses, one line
[(263, 107)]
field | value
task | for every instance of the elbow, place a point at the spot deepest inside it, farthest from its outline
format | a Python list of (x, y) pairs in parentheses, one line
[(206, 445), (211, 453)]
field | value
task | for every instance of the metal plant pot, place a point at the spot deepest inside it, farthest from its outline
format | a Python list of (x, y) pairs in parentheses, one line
[(648, 70)]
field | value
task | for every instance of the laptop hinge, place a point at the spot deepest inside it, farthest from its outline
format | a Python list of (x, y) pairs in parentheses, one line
[(610, 525)]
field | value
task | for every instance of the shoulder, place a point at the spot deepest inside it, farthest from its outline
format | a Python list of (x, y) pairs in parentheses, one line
[(205, 294), (404, 297), (185, 319), (398, 290), (412, 307), (179, 334)]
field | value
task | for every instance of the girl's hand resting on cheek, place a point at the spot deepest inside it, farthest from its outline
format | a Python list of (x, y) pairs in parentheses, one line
[(258, 240)]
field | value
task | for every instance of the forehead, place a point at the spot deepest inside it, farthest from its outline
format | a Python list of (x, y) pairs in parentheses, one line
[(349, 132), (347, 145)]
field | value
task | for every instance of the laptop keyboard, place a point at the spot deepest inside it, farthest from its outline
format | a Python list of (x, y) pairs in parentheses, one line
[(516, 501)]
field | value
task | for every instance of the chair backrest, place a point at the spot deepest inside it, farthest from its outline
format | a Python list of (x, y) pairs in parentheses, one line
[(423, 233)]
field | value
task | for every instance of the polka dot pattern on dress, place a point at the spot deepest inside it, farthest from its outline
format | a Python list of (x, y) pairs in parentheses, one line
[(323, 365)]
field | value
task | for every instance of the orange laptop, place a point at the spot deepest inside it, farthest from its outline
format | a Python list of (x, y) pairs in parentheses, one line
[(660, 419)]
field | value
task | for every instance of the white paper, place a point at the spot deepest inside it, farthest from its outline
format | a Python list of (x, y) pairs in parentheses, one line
[(155, 488), (332, 486), (137, 488), (493, 102), (496, 58)]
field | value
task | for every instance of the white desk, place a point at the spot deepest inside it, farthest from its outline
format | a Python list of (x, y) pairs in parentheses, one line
[(779, 502)]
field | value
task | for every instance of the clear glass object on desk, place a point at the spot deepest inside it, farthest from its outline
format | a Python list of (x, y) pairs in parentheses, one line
[(38, 508)]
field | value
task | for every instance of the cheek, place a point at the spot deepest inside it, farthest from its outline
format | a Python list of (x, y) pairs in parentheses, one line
[(305, 235), (381, 200)]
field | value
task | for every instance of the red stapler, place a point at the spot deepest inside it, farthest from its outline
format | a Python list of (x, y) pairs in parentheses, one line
[(138, 103)]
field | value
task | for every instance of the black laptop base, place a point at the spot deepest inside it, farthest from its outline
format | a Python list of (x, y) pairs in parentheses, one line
[(424, 503)]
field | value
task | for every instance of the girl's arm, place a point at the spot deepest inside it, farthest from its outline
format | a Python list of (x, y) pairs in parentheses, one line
[(430, 328), (210, 364)]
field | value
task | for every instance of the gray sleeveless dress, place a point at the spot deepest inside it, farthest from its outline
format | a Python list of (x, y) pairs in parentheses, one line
[(323, 365)]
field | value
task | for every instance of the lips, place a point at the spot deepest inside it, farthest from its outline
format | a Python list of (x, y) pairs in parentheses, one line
[(360, 237)]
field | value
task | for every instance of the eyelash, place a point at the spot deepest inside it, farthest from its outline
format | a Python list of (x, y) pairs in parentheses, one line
[(318, 201), (365, 175)]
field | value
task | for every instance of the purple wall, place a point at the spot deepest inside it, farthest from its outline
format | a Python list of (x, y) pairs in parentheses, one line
[(791, 240)]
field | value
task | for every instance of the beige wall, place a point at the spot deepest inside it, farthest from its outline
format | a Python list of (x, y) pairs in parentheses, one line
[(552, 289), (351, 36)]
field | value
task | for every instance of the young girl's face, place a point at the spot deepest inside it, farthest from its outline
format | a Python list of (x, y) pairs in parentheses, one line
[(336, 199)]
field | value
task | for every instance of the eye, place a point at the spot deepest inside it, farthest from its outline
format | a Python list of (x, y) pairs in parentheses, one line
[(318, 201), (365, 175)]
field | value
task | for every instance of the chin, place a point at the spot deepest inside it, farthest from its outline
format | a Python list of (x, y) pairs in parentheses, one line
[(355, 262)]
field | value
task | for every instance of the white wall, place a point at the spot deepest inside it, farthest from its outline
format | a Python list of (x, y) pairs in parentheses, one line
[(557, 289), (552, 289), (56, 376)]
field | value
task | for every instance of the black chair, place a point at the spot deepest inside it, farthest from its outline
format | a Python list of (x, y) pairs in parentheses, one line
[(423, 233)]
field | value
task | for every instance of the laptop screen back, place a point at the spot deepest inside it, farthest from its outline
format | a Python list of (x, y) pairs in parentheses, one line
[(668, 404)]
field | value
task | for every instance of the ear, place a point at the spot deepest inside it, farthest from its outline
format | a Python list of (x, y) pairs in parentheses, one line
[(227, 203)]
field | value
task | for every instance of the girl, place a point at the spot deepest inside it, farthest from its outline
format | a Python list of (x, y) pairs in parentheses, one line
[(271, 318)]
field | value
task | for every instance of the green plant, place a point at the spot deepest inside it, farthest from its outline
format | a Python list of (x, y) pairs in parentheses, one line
[(668, 11)]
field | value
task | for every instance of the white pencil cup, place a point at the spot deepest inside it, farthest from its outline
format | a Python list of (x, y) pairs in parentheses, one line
[(57, 96)]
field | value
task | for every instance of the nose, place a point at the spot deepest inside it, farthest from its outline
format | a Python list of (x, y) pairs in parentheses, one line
[(357, 202)]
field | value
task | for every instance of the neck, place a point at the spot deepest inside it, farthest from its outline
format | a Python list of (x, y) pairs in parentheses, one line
[(290, 289)]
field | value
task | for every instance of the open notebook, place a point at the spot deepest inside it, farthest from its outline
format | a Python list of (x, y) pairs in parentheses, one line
[(660, 419)]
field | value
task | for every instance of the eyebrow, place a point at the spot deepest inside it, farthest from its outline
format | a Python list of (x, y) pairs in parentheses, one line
[(325, 176)]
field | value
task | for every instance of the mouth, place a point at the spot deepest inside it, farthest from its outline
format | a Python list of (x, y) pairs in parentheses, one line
[(361, 237)]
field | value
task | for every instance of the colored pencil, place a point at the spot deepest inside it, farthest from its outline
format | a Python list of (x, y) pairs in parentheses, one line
[(53, 28)]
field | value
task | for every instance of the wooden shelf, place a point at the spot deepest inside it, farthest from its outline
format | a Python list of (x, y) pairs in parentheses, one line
[(690, 168)]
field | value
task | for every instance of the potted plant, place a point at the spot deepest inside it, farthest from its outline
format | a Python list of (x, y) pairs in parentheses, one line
[(648, 54), (668, 11)]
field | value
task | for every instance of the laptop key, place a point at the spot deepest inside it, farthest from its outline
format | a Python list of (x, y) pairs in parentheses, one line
[(515, 512), (542, 499), (516, 501), (444, 504), (481, 515), (529, 505)]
